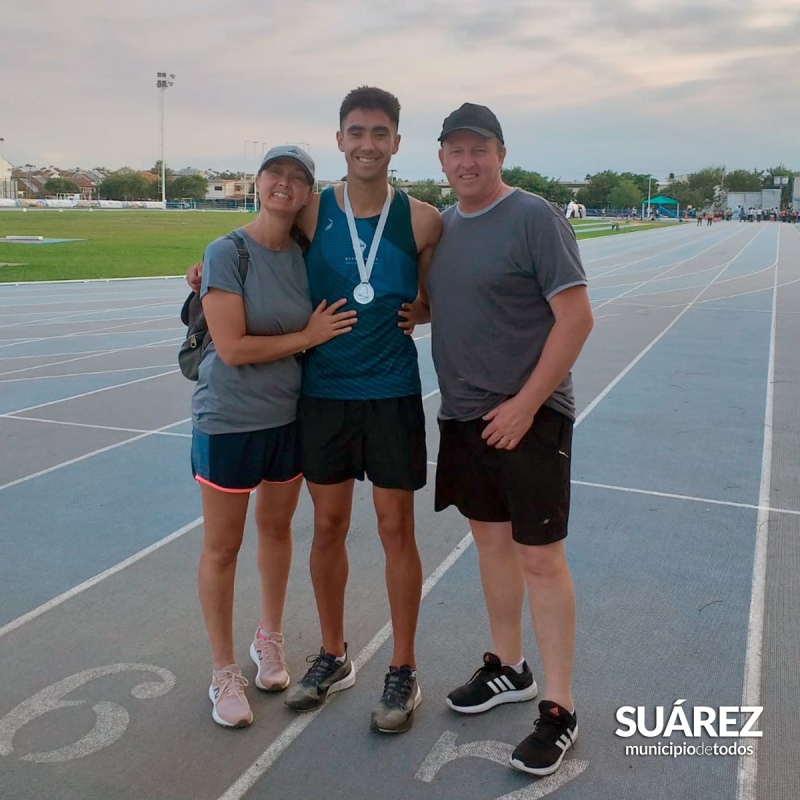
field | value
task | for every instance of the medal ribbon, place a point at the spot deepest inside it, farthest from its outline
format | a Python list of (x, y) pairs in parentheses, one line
[(365, 270)]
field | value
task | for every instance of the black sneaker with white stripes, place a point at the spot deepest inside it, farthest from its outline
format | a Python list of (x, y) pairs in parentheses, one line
[(492, 685), (554, 733)]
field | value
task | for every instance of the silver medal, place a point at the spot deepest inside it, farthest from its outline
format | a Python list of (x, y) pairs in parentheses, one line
[(363, 293)]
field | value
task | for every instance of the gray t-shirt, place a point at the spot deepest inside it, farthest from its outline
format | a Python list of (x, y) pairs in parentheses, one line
[(276, 301), (490, 282)]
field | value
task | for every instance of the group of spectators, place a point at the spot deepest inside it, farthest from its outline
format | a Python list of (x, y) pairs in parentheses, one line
[(753, 214)]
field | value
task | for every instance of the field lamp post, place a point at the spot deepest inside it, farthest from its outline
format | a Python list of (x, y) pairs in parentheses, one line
[(2, 168), (163, 82), (246, 173)]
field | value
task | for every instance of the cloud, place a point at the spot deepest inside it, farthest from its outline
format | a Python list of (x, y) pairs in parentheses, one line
[(579, 86)]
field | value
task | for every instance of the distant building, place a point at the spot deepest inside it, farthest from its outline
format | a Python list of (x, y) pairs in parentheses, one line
[(574, 186), (8, 188), (86, 185), (228, 188), (30, 180), (766, 198)]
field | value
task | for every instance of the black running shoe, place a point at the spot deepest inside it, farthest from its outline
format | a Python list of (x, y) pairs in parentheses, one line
[(326, 675), (401, 695), (492, 685), (554, 733)]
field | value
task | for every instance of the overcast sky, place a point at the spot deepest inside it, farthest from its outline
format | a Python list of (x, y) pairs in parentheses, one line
[(649, 86)]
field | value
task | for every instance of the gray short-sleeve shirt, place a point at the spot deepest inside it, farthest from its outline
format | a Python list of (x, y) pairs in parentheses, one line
[(490, 283), (252, 397)]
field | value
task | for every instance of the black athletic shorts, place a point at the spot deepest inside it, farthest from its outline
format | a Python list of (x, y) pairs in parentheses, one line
[(382, 439), (528, 486)]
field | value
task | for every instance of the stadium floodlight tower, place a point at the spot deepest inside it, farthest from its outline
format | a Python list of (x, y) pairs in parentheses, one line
[(2, 169), (163, 82)]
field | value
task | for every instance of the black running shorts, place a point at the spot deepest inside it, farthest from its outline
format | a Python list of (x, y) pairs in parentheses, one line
[(528, 486), (382, 439)]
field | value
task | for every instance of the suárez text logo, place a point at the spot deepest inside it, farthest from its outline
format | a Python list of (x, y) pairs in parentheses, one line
[(718, 723)]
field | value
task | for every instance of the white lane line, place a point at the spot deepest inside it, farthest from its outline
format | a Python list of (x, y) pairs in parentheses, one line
[(672, 290), (248, 778), (74, 302), (152, 548), (82, 587), (430, 394), (751, 693), (149, 278), (54, 321), (690, 498), (644, 308), (111, 330), (84, 374), (95, 427), (94, 391), (640, 250), (78, 317), (666, 290), (81, 354), (610, 387), (610, 270), (605, 248), (674, 496), (91, 454)]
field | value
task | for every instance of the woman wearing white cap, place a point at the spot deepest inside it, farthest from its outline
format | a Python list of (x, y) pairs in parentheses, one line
[(243, 414)]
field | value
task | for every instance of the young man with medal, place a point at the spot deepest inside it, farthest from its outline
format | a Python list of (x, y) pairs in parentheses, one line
[(361, 413)]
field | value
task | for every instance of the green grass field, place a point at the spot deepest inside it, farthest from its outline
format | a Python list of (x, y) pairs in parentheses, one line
[(127, 244), (118, 244)]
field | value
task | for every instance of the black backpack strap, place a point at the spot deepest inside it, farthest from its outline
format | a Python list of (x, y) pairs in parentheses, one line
[(244, 253), (185, 310)]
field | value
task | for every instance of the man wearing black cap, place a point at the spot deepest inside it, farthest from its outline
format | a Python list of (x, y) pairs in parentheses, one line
[(511, 313)]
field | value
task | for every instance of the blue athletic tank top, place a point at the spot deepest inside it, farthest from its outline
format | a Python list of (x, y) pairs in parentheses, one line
[(376, 359)]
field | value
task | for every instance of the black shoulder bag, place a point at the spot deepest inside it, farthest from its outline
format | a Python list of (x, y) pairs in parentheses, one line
[(198, 337)]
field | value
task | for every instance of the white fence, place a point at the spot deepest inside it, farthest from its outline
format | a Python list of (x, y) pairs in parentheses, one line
[(63, 203)]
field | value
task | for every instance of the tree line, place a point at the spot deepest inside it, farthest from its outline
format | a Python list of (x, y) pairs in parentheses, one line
[(430, 192), (128, 184), (608, 189)]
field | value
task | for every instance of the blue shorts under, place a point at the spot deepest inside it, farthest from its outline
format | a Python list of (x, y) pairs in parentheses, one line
[(239, 462)]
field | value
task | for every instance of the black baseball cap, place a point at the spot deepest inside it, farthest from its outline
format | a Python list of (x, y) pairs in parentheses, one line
[(475, 118)]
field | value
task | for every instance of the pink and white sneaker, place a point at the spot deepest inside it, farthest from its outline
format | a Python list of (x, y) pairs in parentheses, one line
[(267, 654), (231, 709)]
